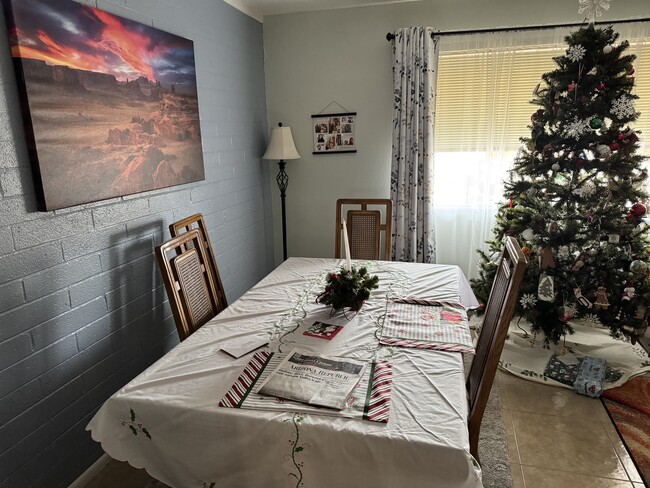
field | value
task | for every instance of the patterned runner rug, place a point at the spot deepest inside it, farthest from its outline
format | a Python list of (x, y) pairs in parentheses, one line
[(629, 409)]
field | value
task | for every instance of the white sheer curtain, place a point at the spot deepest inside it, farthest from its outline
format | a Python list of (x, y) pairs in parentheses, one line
[(415, 58), (485, 84)]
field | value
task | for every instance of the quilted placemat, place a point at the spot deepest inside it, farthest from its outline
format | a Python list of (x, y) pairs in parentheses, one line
[(427, 324)]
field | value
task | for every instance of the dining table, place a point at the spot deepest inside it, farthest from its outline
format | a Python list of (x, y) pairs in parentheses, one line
[(194, 419)]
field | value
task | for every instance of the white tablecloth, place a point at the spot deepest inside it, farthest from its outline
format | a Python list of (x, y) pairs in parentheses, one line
[(168, 421)]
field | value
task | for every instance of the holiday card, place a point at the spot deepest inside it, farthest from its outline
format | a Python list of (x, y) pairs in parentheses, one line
[(322, 330)]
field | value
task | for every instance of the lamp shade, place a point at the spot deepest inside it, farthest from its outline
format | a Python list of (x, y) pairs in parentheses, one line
[(281, 145)]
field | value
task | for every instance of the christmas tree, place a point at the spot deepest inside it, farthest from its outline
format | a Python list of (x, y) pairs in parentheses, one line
[(574, 197)]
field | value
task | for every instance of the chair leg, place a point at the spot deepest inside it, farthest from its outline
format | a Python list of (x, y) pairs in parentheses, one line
[(473, 444)]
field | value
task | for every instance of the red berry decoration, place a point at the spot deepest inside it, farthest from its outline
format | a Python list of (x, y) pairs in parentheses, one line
[(620, 137), (614, 146), (601, 86), (630, 72)]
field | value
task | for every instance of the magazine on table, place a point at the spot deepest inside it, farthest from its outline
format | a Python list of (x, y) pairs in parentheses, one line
[(322, 381)]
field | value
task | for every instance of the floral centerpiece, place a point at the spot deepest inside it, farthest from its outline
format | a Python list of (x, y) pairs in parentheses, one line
[(349, 288)]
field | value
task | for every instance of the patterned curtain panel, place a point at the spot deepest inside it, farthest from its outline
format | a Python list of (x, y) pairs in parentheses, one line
[(415, 67)]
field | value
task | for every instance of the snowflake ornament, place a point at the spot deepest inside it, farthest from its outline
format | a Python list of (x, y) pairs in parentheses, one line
[(528, 300), (576, 53), (593, 8), (591, 320), (576, 128), (623, 107), (587, 189)]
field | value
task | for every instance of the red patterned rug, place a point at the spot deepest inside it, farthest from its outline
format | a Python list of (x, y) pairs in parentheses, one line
[(629, 408)]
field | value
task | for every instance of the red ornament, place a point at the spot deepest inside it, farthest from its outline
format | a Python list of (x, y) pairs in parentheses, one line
[(614, 146), (571, 87), (537, 116), (620, 137), (638, 209), (631, 136), (630, 72), (601, 86)]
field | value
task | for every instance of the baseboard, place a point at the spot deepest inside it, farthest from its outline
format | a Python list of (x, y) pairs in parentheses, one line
[(91, 472)]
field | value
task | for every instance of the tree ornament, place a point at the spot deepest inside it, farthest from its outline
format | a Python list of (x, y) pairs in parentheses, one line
[(581, 299), (603, 151), (576, 53), (528, 234), (630, 71), (592, 251), (593, 8), (628, 291), (638, 209), (608, 49), (638, 267), (596, 123), (614, 146), (555, 167), (631, 136), (536, 118), (528, 300), (563, 252), (567, 313), (623, 107), (545, 289), (613, 238), (620, 137), (531, 192), (579, 263), (526, 252), (572, 86), (547, 260), (580, 162), (576, 128), (601, 302), (601, 86)]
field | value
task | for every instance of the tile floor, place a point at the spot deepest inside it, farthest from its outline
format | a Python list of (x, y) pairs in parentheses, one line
[(556, 439), (559, 439)]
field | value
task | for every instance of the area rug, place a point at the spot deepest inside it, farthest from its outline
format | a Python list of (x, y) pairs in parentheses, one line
[(629, 409)]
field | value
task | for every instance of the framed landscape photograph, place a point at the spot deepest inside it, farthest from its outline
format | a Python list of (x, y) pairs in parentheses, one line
[(110, 105), (334, 133)]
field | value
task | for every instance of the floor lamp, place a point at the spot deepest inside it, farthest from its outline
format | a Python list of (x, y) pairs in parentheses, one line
[(281, 147)]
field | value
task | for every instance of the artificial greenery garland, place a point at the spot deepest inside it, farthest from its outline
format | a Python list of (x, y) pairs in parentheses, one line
[(348, 289)]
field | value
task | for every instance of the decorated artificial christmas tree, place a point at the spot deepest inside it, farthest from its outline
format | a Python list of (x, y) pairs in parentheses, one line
[(575, 196)]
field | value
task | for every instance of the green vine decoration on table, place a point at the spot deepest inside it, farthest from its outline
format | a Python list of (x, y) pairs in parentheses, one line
[(133, 425), (295, 450), (295, 315)]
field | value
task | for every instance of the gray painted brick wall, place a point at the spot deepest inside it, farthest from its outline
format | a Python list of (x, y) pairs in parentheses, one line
[(82, 305)]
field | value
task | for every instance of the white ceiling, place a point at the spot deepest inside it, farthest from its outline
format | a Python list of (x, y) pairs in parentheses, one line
[(259, 8)]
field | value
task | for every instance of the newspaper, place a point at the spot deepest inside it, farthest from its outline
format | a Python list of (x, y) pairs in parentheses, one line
[(322, 381)]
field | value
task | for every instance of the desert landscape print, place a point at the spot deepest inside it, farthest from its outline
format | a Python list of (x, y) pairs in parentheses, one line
[(110, 104)]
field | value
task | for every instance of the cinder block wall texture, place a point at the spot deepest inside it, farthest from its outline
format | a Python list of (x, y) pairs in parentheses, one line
[(82, 306)]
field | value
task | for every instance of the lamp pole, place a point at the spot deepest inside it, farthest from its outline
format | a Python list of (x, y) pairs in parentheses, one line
[(283, 182)]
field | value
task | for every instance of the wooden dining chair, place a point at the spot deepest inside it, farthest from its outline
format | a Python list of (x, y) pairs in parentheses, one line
[(365, 227), (196, 222), (498, 314), (190, 286)]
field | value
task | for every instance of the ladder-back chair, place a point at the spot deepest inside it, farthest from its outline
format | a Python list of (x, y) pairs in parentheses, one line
[(498, 314), (197, 222), (365, 227), (190, 285)]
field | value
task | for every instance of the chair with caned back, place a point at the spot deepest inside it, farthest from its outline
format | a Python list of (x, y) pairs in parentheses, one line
[(196, 222), (498, 314), (365, 226), (190, 285)]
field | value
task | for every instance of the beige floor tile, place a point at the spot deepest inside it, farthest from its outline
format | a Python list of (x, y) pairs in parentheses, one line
[(119, 474), (513, 452), (529, 396), (639, 485), (517, 476), (550, 478), (621, 451), (573, 444), (502, 390)]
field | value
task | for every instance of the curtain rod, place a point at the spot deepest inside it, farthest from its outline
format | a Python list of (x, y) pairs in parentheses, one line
[(390, 36)]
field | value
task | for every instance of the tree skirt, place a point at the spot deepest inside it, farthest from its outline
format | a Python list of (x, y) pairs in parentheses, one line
[(629, 409), (524, 355)]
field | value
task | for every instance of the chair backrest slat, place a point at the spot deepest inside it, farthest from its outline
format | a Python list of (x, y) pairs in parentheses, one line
[(365, 227), (498, 314), (190, 286), (197, 222)]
